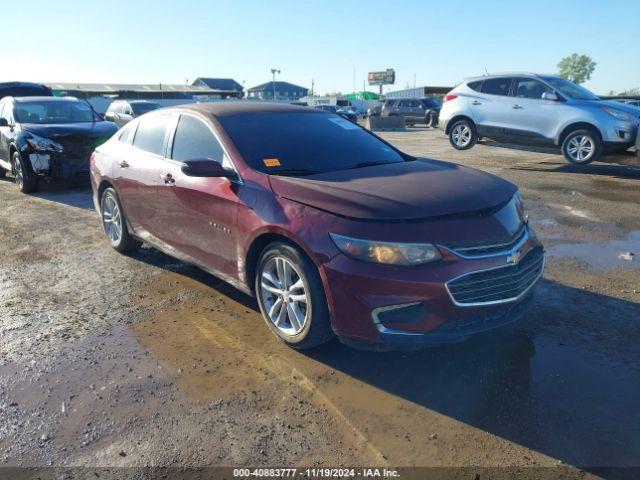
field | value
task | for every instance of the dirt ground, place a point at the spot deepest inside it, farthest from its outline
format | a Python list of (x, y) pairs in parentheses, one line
[(141, 360)]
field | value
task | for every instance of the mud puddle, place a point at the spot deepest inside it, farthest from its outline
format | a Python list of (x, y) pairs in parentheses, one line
[(604, 256), (505, 398)]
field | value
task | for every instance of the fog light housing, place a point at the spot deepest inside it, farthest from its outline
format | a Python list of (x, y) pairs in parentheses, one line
[(392, 315)]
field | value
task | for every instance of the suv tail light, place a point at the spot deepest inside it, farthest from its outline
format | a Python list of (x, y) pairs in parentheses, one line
[(92, 158), (448, 98)]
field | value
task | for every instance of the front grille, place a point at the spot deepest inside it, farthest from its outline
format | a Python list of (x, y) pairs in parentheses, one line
[(499, 285), (79, 147), (488, 249)]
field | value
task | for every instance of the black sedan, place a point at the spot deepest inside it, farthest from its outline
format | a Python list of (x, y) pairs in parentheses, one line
[(48, 137)]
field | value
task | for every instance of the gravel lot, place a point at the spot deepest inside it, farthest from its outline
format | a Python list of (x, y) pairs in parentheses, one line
[(111, 360)]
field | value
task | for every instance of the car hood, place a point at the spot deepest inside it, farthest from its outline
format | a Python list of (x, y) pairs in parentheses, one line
[(412, 190), (88, 129), (635, 111)]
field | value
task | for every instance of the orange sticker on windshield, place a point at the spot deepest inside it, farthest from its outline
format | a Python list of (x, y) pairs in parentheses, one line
[(271, 162)]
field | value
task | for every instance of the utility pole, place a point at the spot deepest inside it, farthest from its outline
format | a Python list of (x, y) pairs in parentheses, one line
[(273, 73)]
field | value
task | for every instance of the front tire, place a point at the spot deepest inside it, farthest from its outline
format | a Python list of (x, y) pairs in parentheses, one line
[(291, 297), (115, 224), (463, 135), (24, 176), (581, 147)]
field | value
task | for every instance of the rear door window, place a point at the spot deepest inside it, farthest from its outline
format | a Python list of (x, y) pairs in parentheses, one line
[(194, 140), (151, 134), (497, 86)]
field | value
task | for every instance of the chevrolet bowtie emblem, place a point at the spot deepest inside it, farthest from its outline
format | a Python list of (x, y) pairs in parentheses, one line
[(514, 258)]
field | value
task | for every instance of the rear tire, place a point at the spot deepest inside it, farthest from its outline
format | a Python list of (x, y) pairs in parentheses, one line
[(291, 297), (581, 147), (114, 222), (24, 176), (430, 120), (463, 135)]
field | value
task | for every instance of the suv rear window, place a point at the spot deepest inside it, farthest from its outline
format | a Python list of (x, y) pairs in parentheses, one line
[(477, 86), (497, 86)]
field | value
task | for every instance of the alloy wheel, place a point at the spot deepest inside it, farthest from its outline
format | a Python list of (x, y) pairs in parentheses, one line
[(111, 218), (461, 135), (284, 296), (581, 148), (18, 174)]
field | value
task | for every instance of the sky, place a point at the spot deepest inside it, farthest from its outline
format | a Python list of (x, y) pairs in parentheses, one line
[(333, 42)]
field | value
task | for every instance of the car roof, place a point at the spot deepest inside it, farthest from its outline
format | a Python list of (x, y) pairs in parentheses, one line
[(228, 109), (47, 99), (21, 84), (508, 74)]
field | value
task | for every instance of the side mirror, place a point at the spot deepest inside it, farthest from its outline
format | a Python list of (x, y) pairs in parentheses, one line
[(4, 122), (206, 168), (550, 96)]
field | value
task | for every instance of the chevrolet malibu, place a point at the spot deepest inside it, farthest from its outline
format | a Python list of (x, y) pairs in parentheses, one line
[(333, 230)]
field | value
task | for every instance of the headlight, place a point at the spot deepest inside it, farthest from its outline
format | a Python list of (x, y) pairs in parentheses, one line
[(517, 199), (619, 114), (42, 144), (387, 253)]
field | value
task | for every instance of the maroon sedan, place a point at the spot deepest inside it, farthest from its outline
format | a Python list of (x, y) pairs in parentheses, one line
[(335, 231)]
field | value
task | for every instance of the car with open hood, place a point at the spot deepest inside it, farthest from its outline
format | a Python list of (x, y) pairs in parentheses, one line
[(332, 229), (48, 137)]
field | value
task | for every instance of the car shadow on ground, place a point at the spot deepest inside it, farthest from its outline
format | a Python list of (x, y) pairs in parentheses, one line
[(602, 169), (71, 194), (545, 383)]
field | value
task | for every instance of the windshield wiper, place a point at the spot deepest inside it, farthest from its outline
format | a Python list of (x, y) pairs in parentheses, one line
[(366, 164), (293, 171)]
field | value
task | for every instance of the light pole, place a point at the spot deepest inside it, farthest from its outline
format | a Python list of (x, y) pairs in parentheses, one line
[(273, 73)]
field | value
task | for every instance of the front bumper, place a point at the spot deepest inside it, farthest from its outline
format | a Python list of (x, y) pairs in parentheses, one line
[(398, 307)]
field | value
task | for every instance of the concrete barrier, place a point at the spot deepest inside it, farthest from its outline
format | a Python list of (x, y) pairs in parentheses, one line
[(385, 123)]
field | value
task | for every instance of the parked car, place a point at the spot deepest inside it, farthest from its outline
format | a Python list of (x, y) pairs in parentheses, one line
[(414, 110), (537, 109), (122, 112), (24, 89), (335, 231), (350, 113), (48, 136), (374, 111), (339, 111)]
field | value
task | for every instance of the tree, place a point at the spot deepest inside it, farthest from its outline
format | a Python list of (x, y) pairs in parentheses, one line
[(576, 68), (631, 92)]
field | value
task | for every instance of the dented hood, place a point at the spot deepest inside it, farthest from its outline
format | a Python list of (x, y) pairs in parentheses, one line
[(417, 189)]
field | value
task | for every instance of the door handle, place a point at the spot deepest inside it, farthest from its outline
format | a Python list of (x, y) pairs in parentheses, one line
[(476, 102), (518, 107), (168, 179), (123, 164)]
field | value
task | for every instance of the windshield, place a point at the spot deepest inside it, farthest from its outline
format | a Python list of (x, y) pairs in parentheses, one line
[(305, 143), (430, 103), (328, 108), (570, 89), (140, 108), (52, 111)]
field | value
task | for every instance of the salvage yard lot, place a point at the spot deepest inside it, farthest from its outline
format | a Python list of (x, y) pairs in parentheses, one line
[(143, 360)]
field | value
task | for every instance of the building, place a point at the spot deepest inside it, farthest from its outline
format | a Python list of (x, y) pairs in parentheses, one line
[(285, 91), (229, 85), (100, 95), (419, 92)]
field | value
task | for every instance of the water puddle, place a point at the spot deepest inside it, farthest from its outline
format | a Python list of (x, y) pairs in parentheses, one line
[(603, 256)]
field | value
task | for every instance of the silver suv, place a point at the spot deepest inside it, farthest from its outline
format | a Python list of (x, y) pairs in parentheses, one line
[(536, 109)]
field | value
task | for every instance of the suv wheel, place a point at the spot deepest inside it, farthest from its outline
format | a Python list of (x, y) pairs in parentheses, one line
[(582, 146), (462, 135), (291, 297), (114, 222), (23, 175)]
